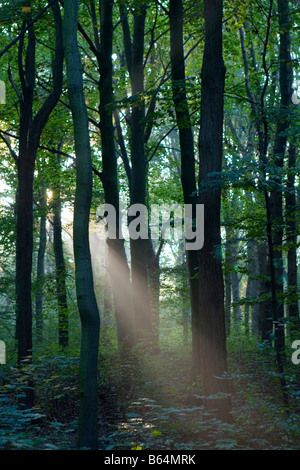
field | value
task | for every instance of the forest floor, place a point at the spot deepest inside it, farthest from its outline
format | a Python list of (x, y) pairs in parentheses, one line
[(163, 410), (170, 415)]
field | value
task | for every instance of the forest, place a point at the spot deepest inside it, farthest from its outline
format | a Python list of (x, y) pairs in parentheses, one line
[(149, 225)]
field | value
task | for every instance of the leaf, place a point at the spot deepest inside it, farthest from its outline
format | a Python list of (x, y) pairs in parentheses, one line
[(156, 433)]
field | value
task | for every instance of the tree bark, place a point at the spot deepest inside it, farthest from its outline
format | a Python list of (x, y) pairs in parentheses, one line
[(30, 127), (86, 300), (63, 323), (188, 175), (41, 267), (227, 280), (212, 350), (153, 268)]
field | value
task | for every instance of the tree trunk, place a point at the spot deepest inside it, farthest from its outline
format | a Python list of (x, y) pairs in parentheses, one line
[(234, 280), (24, 247), (276, 195), (117, 261), (237, 313), (185, 294), (154, 290), (227, 280), (134, 52), (254, 289), (291, 232), (264, 324), (63, 324), (188, 176), (30, 129), (211, 289), (41, 267), (86, 300), (248, 294)]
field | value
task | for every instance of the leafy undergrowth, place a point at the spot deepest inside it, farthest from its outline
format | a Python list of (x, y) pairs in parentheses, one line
[(152, 405), (169, 413)]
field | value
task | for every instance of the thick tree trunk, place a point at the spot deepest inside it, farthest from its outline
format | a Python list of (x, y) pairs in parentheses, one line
[(24, 246), (211, 289), (188, 177), (86, 300), (30, 128), (24, 235), (263, 323)]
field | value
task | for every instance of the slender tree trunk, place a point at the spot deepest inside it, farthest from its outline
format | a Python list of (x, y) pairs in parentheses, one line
[(41, 267), (61, 274), (235, 281), (211, 289), (185, 295), (107, 300), (227, 280), (276, 195), (118, 266), (248, 294), (253, 289), (154, 290), (134, 54), (235, 285), (291, 232), (273, 198), (138, 189), (86, 300)]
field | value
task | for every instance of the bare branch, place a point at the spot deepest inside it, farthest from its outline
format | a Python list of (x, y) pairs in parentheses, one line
[(7, 143)]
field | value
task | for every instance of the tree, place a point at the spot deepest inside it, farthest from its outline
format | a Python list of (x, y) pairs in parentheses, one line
[(31, 124), (188, 175), (40, 274), (205, 265), (212, 341), (134, 53), (86, 300), (118, 266), (63, 330)]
